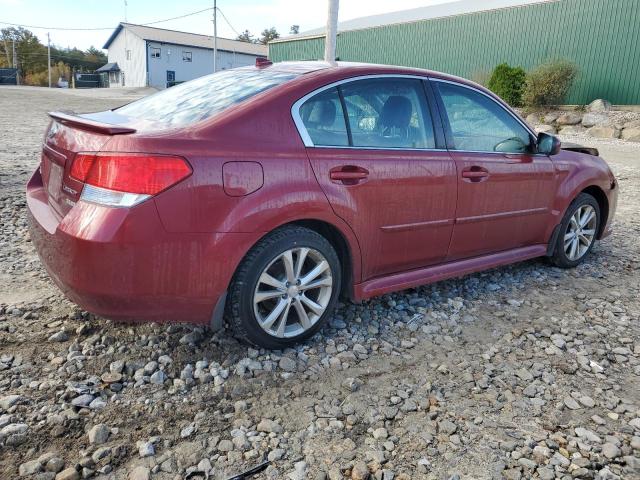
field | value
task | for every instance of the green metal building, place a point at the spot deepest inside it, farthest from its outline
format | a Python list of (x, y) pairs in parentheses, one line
[(469, 38)]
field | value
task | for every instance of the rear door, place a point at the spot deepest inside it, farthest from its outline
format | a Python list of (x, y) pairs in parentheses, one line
[(374, 149), (505, 189)]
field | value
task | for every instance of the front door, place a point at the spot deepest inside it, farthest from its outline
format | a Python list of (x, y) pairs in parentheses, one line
[(505, 189), (381, 170), (171, 78)]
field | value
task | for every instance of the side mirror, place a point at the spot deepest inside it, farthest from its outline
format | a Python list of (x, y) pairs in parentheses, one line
[(548, 144)]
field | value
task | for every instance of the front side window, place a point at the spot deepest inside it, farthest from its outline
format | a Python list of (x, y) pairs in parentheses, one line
[(479, 124), (323, 119), (155, 52), (186, 56), (198, 99), (388, 113)]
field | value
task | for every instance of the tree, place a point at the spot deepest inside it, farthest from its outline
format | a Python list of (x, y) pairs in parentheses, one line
[(245, 37), (508, 83), (269, 34), (295, 29)]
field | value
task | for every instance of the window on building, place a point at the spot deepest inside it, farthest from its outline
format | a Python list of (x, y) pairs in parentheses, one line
[(128, 54), (478, 123), (388, 113), (155, 52), (186, 56), (323, 118)]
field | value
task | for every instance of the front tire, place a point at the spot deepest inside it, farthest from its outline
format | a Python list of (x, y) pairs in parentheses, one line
[(578, 232), (285, 288)]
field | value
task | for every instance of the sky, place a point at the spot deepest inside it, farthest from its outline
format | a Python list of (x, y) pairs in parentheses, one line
[(252, 15)]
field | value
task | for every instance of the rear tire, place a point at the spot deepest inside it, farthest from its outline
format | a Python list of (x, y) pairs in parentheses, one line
[(578, 232), (284, 289)]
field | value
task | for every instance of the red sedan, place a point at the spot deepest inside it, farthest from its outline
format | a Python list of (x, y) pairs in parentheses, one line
[(261, 194)]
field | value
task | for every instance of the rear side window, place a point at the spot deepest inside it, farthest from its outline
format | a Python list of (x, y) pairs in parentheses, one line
[(323, 118), (480, 124), (193, 101), (388, 113)]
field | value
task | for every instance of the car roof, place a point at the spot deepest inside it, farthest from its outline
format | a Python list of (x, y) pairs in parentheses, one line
[(345, 69)]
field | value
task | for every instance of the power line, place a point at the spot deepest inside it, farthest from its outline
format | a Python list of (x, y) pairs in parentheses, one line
[(228, 23), (106, 28)]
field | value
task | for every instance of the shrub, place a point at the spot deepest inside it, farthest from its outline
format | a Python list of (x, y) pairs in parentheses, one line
[(508, 83), (549, 83)]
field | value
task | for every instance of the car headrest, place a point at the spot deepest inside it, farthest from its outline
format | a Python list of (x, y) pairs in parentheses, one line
[(396, 112)]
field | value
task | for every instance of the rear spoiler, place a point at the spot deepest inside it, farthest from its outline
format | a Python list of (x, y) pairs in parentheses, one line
[(91, 125)]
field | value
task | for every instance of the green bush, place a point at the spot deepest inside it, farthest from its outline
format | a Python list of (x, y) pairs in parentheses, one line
[(508, 83), (549, 83)]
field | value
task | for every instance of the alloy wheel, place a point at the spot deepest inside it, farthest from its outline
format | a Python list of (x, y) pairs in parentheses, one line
[(293, 292), (580, 232)]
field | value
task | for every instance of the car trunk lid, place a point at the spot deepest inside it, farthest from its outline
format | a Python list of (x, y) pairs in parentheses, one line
[(69, 134)]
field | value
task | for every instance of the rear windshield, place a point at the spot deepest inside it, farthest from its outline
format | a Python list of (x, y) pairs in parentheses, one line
[(203, 97)]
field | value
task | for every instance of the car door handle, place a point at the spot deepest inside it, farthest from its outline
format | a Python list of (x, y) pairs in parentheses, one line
[(348, 175), (475, 174)]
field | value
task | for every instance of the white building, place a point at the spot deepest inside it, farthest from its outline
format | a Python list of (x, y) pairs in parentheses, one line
[(142, 56)]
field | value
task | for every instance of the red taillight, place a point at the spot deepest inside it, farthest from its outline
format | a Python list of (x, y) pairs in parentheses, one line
[(130, 172)]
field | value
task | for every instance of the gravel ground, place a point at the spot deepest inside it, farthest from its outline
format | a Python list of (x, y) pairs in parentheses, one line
[(523, 372)]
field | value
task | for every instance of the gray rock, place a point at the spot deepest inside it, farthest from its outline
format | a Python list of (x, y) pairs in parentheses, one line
[(569, 118), (287, 364), (68, 474), (146, 449), (225, 446), (158, 378), (268, 426), (447, 426), (604, 132), (82, 400), (610, 451), (60, 336), (29, 468), (550, 129), (571, 404), (99, 434), (593, 119), (631, 134), (572, 130), (10, 400), (599, 105)]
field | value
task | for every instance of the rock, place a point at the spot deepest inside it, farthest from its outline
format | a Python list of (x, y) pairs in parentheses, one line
[(275, 455), (610, 451), (550, 117), (533, 119), (287, 364), (569, 118), (380, 433), (30, 468), (140, 473), (10, 400), (268, 426), (360, 471), (99, 434), (550, 129), (68, 474), (604, 132), (587, 434), (593, 119), (54, 464), (60, 336), (635, 423), (446, 426), (158, 378), (146, 449), (82, 400), (225, 446), (599, 105), (571, 404), (572, 130), (631, 134), (111, 377)]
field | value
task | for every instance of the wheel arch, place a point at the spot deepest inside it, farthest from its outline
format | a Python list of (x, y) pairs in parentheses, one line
[(603, 202)]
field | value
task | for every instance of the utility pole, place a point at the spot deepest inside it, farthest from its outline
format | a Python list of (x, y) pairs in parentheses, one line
[(15, 63), (49, 57), (332, 32), (215, 36)]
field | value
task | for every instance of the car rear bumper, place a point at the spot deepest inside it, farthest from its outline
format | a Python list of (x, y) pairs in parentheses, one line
[(121, 264)]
